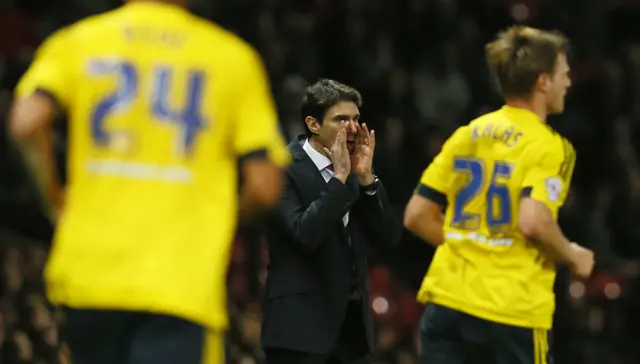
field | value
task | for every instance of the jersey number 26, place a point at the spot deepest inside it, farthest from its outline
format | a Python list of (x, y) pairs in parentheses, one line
[(496, 197)]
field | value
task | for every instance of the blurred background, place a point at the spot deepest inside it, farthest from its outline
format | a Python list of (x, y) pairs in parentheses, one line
[(420, 67)]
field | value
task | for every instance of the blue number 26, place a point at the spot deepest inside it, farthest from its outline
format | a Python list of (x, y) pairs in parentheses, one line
[(188, 118), (497, 195)]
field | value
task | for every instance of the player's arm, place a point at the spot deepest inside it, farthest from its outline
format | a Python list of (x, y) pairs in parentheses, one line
[(537, 223), (262, 183), (257, 140), (40, 93), (423, 214), (545, 187)]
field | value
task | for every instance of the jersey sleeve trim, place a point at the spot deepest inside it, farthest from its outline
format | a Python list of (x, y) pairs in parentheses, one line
[(261, 153), (526, 191), (432, 194)]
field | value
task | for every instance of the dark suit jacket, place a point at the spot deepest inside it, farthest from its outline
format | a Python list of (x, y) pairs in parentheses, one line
[(310, 268)]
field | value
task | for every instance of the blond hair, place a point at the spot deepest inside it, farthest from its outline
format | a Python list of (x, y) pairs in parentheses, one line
[(520, 54)]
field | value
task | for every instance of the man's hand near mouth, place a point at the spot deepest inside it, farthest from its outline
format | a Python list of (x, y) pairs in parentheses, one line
[(361, 149)]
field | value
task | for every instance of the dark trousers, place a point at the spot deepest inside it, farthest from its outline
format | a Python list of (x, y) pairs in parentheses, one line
[(350, 348), (123, 337), (452, 337)]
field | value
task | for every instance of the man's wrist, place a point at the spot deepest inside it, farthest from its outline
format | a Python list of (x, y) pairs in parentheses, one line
[(572, 257), (342, 177), (366, 179)]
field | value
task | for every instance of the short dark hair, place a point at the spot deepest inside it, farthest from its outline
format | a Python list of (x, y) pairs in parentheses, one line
[(520, 54), (322, 95)]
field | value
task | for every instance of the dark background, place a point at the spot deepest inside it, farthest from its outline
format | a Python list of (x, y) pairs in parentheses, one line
[(420, 67)]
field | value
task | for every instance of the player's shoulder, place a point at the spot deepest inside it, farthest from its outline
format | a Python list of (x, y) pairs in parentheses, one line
[(462, 132), (71, 32), (220, 40), (548, 145), (532, 130), (56, 39), (545, 138), (487, 117), (486, 123), (461, 135), (523, 132), (459, 142)]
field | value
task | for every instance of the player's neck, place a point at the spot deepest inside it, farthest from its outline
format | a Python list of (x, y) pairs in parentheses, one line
[(317, 146), (534, 105)]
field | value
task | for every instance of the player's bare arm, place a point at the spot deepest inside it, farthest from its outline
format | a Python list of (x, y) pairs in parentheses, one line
[(30, 127), (423, 217), (262, 187), (537, 223), (31, 114)]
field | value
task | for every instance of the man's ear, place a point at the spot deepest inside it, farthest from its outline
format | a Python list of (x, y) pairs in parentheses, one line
[(313, 125), (543, 83)]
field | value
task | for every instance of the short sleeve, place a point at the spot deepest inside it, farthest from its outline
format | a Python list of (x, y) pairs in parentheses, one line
[(49, 72), (549, 177), (436, 179), (256, 129)]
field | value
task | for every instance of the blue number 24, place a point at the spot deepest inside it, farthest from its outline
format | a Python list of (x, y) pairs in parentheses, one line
[(188, 118), (497, 194)]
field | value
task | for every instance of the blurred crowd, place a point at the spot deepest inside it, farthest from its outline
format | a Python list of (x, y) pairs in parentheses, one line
[(28, 329), (420, 67)]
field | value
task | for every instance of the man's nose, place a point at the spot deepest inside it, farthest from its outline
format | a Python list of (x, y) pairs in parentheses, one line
[(352, 126)]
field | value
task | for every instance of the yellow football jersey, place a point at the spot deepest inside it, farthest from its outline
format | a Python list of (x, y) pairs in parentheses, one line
[(161, 105), (486, 267)]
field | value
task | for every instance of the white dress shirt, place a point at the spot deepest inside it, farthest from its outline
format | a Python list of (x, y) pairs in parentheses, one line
[(322, 163)]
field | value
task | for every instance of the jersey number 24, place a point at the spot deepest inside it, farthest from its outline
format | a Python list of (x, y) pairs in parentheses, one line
[(188, 118), (496, 198)]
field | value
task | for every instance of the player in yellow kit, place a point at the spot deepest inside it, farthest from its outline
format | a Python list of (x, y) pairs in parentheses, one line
[(161, 106), (500, 181)]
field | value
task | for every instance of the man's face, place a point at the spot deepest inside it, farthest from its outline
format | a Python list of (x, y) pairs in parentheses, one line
[(559, 84), (343, 111)]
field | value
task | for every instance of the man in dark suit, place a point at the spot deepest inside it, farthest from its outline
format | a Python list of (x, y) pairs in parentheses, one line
[(333, 208)]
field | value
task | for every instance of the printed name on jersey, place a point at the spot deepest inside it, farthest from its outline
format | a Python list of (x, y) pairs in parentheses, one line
[(554, 188)]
